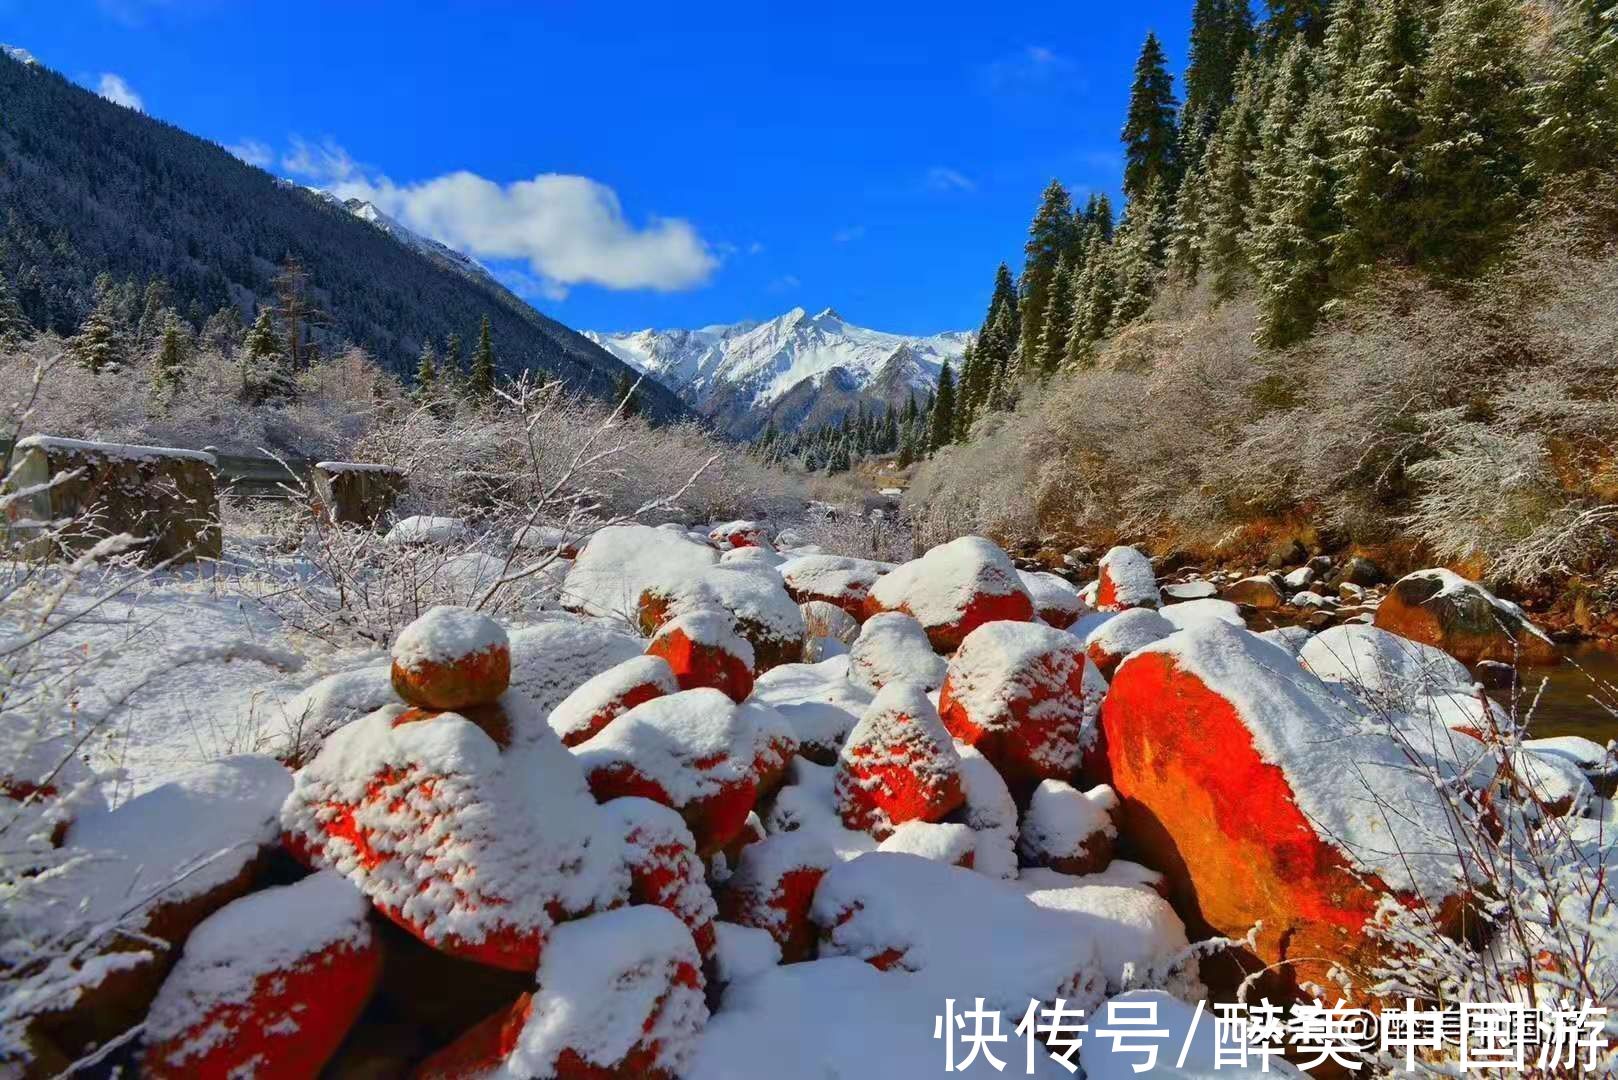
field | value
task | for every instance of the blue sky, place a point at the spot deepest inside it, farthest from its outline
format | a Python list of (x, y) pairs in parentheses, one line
[(670, 164)]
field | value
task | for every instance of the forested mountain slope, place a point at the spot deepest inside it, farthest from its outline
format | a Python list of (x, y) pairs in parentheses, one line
[(88, 187)]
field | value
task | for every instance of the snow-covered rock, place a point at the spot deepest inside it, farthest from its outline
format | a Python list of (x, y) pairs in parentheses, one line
[(622, 562), (979, 938), (476, 850), (773, 886), (451, 658), (1121, 634), (953, 589), (692, 751), (1069, 830), (893, 647), (1056, 600), (1383, 669), (601, 699), (426, 529), (898, 764), (832, 578), (277, 977), (819, 702), (703, 649), (550, 659), (1439, 607), (1223, 747), (1027, 697), (620, 994), (1126, 580)]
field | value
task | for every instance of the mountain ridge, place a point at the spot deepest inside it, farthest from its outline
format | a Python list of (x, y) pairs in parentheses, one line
[(793, 370), (88, 187)]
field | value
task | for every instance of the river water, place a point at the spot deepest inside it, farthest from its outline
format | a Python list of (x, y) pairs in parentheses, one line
[(1577, 697)]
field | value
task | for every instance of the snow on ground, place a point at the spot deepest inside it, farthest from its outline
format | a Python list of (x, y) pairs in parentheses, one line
[(195, 670)]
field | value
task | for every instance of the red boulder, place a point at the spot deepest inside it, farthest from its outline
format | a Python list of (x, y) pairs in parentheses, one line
[(451, 658), (620, 997), (898, 764), (602, 699), (1026, 696), (954, 589), (704, 650), (692, 751), (267, 986)]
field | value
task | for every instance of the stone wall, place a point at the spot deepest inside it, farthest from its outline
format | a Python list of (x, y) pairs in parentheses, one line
[(353, 493), (161, 494)]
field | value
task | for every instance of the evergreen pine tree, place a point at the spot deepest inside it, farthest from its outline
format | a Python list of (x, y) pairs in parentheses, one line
[(1049, 236), (1578, 102), (101, 344), (943, 412), (1004, 298), (1290, 20), (263, 364), (1474, 135), (1377, 137), (967, 387), (1149, 135), (1291, 248), (1188, 223), (1222, 37), (998, 352), (1098, 217), (451, 375), (14, 325), (1058, 320), (153, 322), (173, 349), (223, 330), (426, 371), (1227, 201), (1291, 82), (1095, 293), (480, 381), (1139, 252)]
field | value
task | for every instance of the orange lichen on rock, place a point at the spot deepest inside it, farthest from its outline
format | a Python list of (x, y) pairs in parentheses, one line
[(451, 658), (1437, 607), (773, 888), (703, 650), (1208, 737), (1026, 696), (897, 765), (268, 986)]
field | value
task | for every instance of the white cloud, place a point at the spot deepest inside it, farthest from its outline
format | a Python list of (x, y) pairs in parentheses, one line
[(755, 248), (530, 287), (784, 283), (1032, 69), (253, 152), (944, 178), (324, 161), (848, 234), (116, 90), (570, 230)]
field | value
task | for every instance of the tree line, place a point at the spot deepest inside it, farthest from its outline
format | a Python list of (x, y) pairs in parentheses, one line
[(1311, 148), (130, 323)]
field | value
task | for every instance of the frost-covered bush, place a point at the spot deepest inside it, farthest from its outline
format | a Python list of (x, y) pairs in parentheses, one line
[(1480, 421), (337, 400)]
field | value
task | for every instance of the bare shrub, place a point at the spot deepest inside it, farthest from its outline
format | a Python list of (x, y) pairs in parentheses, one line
[(1477, 421)]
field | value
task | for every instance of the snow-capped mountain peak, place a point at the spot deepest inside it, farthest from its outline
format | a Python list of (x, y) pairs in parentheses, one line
[(737, 373)]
